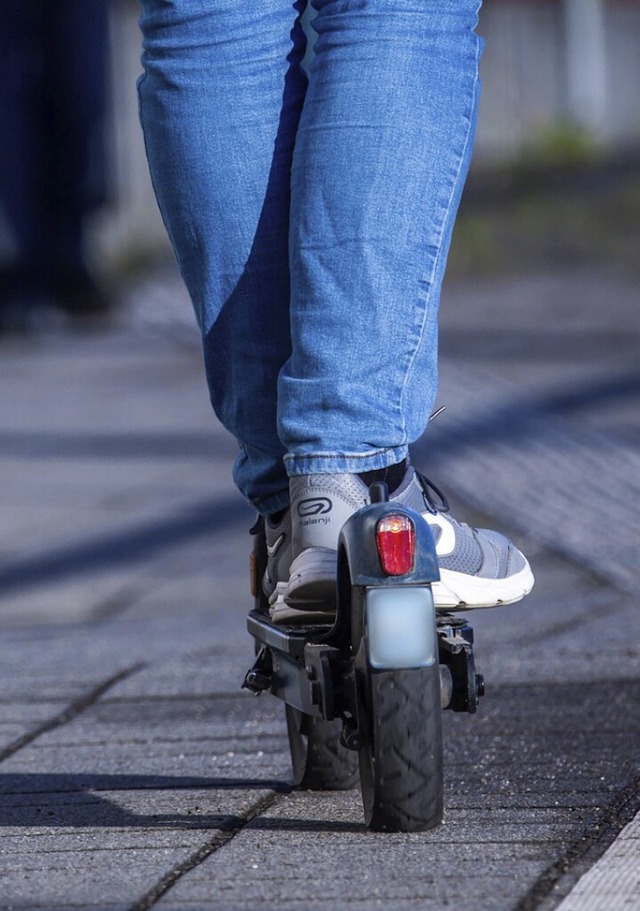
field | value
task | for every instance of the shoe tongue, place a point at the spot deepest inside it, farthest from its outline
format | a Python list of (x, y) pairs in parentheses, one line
[(410, 493)]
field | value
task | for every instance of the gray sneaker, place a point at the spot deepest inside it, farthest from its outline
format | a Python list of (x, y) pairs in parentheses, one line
[(278, 540), (478, 567), (275, 582)]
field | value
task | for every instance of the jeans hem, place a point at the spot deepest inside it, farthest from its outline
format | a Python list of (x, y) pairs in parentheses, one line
[(344, 462), (266, 506)]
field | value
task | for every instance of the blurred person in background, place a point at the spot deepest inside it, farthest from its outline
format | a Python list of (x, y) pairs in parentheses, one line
[(53, 94)]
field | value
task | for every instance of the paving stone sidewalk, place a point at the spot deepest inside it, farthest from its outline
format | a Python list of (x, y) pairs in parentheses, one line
[(133, 771)]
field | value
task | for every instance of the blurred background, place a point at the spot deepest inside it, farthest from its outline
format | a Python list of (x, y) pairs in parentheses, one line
[(560, 115)]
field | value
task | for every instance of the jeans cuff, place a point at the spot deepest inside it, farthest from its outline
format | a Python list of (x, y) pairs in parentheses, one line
[(266, 506), (343, 462)]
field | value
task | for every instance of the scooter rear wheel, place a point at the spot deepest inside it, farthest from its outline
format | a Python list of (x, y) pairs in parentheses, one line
[(399, 711), (320, 761), (401, 769)]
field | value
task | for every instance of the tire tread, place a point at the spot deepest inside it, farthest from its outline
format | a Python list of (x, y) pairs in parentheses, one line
[(406, 750)]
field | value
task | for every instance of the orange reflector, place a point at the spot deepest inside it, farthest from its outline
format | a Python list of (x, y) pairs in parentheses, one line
[(396, 540)]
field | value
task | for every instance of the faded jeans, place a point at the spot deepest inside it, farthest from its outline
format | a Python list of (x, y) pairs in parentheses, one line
[(312, 215)]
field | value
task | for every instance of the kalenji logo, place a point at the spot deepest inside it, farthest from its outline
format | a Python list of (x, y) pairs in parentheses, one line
[(314, 506)]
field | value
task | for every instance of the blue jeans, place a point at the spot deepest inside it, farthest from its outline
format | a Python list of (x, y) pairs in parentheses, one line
[(311, 217)]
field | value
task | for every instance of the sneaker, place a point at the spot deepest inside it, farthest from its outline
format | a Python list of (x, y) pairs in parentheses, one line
[(275, 581), (278, 540), (478, 567)]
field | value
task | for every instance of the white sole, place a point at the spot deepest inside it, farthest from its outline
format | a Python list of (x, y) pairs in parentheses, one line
[(312, 582), (281, 612), (456, 591)]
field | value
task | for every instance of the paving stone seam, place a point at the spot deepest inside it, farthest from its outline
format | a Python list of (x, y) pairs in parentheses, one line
[(234, 826), (558, 880), (71, 712)]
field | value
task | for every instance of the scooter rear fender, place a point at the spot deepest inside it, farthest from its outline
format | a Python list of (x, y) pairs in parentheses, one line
[(357, 546)]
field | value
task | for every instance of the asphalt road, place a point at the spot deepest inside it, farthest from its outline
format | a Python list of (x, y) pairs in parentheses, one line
[(134, 772)]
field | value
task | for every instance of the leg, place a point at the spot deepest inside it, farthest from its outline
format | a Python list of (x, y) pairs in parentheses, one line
[(382, 153), (22, 159), (381, 156), (52, 104), (75, 99), (220, 102), (74, 96)]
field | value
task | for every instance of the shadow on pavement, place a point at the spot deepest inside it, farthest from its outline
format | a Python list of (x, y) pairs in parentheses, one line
[(89, 801), (86, 801), (124, 546)]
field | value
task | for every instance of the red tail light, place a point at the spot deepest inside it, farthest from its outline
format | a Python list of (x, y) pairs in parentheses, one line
[(396, 541)]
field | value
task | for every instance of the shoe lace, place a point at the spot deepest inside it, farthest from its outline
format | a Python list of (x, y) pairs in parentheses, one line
[(434, 504)]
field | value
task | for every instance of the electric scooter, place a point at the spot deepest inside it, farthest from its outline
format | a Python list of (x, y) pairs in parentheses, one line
[(364, 695)]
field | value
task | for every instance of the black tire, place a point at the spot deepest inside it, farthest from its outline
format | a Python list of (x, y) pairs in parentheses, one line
[(320, 761), (401, 760)]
